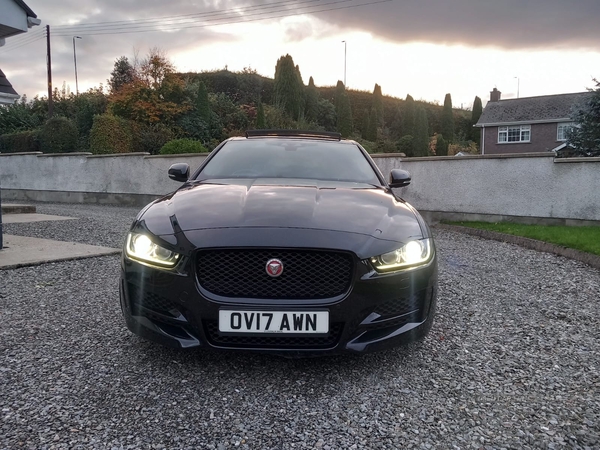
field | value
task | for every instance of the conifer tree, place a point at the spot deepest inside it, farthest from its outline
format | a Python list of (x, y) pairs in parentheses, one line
[(202, 103), (288, 88), (378, 105), (123, 73), (396, 128), (584, 138), (408, 118), (447, 122), (441, 146), (475, 115), (312, 101), (261, 123), (372, 130), (421, 136), (344, 116), (364, 131), (340, 90)]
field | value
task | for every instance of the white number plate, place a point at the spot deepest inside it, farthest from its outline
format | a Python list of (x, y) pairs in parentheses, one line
[(274, 321)]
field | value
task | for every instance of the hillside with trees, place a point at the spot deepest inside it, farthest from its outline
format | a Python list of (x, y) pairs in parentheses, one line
[(147, 104)]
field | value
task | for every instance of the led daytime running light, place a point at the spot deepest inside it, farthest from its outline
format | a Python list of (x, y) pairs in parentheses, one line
[(140, 246)]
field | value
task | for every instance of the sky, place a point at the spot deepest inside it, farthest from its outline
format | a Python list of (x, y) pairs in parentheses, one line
[(425, 48)]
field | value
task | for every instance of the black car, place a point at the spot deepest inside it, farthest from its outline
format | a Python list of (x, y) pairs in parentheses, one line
[(283, 242)]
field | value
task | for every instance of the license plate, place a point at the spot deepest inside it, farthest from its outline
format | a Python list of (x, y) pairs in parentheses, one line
[(293, 322)]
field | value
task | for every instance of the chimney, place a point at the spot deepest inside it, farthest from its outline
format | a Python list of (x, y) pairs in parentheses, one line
[(495, 95)]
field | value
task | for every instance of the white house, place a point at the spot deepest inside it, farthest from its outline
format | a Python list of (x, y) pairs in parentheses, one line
[(15, 18)]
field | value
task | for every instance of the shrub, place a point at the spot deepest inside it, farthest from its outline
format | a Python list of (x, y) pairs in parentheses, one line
[(385, 146), (59, 135), (151, 138), (110, 134), (179, 146), (405, 145), (23, 141)]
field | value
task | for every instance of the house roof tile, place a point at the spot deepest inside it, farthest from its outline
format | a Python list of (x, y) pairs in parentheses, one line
[(539, 109), (5, 86)]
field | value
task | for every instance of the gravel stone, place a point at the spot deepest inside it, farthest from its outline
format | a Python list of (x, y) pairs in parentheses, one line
[(512, 362)]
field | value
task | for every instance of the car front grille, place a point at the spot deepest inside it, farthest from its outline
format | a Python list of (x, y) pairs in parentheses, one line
[(269, 341), (307, 274)]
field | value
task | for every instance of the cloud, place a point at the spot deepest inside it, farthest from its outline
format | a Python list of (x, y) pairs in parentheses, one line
[(508, 24), (25, 66)]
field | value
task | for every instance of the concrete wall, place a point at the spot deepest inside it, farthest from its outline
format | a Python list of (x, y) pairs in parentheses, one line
[(525, 188)]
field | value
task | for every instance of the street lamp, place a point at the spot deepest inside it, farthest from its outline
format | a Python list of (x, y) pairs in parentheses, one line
[(75, 61), (344, 63), (518, 85)]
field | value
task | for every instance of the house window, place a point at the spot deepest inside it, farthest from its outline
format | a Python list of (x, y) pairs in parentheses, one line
[(561, 131), (514, 134)]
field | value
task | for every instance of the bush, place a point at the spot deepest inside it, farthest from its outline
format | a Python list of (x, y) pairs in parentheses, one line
[(179, 146), (405, 145), (151, 138), (59, 135), (385, 146), (23, 141), (110, 134)]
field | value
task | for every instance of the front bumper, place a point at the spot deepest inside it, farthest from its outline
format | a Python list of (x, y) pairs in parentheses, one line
[(379, 312)]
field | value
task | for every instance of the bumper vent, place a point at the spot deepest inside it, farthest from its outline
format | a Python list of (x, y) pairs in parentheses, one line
[(307, 274), (265, 342)]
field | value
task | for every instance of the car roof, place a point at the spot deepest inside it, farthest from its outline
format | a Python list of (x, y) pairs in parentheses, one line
[(294, 134)]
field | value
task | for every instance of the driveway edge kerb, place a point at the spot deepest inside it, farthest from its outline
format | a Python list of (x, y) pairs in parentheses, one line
[(540, 246), (51, 261)]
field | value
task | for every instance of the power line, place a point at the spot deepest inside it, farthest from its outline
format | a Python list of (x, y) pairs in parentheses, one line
[(222, 15), (128, 30), (185, 16), (7, 49), (23, 37)]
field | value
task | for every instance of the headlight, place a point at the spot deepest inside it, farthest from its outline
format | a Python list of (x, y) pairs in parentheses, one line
[(139, 246), (412, 254)]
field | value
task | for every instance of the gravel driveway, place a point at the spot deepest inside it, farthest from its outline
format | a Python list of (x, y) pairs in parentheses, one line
[(513, 361)]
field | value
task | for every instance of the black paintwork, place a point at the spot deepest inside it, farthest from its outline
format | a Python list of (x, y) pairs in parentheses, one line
[(292, 213)]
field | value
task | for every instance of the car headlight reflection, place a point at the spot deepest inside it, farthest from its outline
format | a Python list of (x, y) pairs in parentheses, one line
[(140, 246), (412, 254)]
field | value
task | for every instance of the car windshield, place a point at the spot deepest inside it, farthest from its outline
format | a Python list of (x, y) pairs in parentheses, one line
[(289, 158)]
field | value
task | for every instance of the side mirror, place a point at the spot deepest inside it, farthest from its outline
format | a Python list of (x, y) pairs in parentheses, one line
[(179, 172), (399, 178)]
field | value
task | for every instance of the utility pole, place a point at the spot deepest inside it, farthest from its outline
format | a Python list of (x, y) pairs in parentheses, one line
[(49, 62)]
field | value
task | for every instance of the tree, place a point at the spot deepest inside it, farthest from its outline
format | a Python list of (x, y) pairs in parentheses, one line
[(447, 122), (123, 73), (396, 128), (261, 123), (343, 110), (408, 118), (372, 129), (344, 116), (364, 130), (326, 117), (156, 94), (441, 146), (421, 137), (377, 105), (475, 115), (584, 138), (311, 110), (202, 104), (340, 90), (288, 87)]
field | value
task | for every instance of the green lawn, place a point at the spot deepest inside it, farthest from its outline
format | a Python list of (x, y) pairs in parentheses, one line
[(586, 239)]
